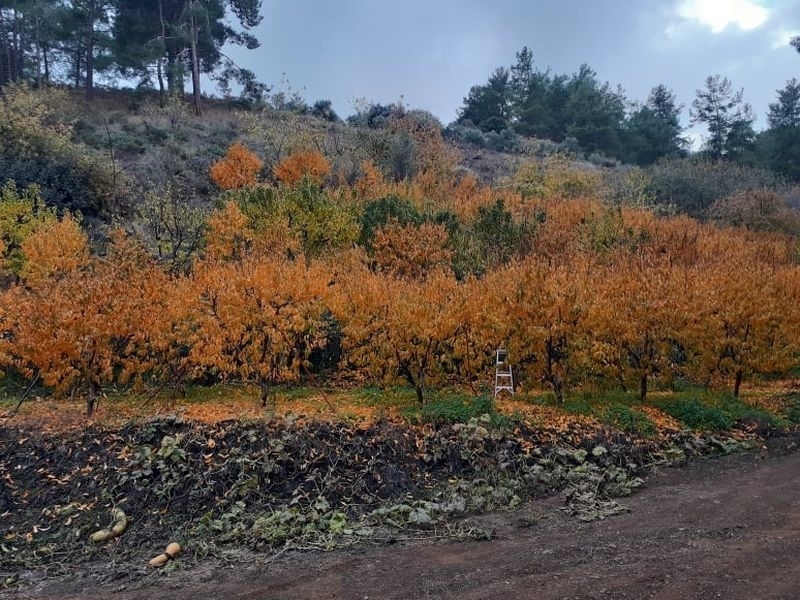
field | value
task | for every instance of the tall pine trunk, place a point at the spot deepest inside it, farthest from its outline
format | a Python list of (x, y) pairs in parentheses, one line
[(90, 56), (195, 59)]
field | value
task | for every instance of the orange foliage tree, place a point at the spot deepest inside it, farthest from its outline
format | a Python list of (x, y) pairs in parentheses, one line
[(544, 310), (637, 316), (84, 327), (255, 319), (237, 169), (308, 164), (409, 251), (398, 327), (745, 320)]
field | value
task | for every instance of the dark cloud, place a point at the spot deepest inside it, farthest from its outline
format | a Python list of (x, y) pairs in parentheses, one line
[(429, 52)]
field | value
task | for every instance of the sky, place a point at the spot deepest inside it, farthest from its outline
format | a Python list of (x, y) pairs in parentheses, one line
[(428, 53)]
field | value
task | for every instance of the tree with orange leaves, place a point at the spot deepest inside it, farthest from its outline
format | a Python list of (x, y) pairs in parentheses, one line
[(637, 316), (410, 252), (81, 322), (544, 309), (255, 319), (307, 164), (237, 169), (398, 326), (746, 320)]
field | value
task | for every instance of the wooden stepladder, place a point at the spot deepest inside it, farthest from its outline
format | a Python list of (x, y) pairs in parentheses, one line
[(503, 379)]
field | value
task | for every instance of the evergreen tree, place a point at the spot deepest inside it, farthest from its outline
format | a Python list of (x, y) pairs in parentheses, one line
[(782, 138), (87, 40), (653, 131), (176, 36), (728, 118), (595, 113), (488, 106), (28, 38)]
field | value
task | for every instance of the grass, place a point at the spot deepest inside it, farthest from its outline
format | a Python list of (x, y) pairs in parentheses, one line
[(445, 409), (715, 411), (693, 408), (616, 409)]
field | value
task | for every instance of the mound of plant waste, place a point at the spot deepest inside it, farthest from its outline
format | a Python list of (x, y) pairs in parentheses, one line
[(120, 495)]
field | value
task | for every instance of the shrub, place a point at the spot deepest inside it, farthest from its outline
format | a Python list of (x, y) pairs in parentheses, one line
[(37, 149), (504, 141), (378, 213), (692, 185), (758, 210), (557, 177), (239, 168), (466, 133), (308, 164)]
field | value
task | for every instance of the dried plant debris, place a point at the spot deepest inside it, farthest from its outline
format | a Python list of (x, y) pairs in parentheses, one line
[(103, 494)]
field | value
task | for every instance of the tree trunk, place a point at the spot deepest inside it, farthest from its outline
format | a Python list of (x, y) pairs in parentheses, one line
[(90, 54), (159, 67), (174, 73), (38, 45), (263, 394), (643, 388), (160, 75), (46, 62), (91, 402), (16, 73), (420, 391), (195, 60), (738, 383)]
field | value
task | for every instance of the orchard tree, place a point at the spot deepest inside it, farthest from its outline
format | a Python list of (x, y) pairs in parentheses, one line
[(398, 327), (544, 309), (256, 319), (80, 322), (729, 120), (637, 317), (744, 319)]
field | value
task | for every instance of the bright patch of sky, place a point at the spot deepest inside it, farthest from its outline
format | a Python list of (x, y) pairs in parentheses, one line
[(718, 15)]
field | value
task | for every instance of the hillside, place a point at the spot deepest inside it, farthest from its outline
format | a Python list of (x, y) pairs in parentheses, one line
[(324, 302), (238, 195)]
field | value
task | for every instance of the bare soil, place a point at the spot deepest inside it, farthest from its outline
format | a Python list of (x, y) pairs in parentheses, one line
[(725, 527)]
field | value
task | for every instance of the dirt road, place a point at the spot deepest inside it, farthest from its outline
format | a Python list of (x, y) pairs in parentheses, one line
[(727, 528)]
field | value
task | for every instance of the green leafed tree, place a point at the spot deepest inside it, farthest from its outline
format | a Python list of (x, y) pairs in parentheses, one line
[(29, 39), (488, 106), (782, 138), (728, 118), (653, 131), (176, 37), (595, 113)]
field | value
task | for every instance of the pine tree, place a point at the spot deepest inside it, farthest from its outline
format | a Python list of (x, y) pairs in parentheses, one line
[(728, 118), (653, 131)]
